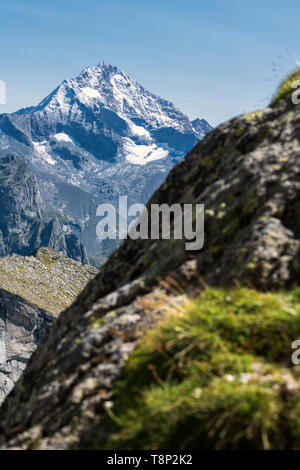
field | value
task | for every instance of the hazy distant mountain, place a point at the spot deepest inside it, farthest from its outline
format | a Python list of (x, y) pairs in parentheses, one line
[(94, 138)]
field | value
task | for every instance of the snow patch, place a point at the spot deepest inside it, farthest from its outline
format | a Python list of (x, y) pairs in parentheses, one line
[(91, 92), (138, 130), (142, 154), (41, 149), (62, 137)]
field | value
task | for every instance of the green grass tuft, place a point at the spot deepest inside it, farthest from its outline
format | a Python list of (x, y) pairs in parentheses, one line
[(213, 375), (285, 87)]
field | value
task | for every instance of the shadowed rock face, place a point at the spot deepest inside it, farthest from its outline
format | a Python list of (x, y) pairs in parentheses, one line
[(22, 326), (247, 173), (20, 212), (22, 228), (33, 291)]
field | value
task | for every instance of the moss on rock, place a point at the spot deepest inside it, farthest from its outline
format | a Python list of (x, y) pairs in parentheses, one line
[(286, 87), (214, 374)]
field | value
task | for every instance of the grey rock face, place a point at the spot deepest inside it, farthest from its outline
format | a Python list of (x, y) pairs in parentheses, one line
[(22, 228), (95, 138), (20, 218), (22, 327)]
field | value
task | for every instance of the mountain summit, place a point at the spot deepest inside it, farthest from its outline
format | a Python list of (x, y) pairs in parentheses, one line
[(122, 120), (107, 86), (96, 137)]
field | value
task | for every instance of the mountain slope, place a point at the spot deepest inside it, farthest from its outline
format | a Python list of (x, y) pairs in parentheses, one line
[(33, 291), (47, 278), (96, 137), (22, 226), (246, 172), (22, 326)]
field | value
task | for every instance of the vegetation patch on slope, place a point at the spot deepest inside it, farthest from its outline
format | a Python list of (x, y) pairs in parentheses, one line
[(286, 87), (214, 374), (46, 279)]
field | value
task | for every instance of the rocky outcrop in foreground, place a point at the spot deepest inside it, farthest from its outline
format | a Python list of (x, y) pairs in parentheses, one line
[(247, 173), (33, 291)]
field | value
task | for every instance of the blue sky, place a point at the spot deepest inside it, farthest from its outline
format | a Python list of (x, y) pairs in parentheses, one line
[(213, 59)]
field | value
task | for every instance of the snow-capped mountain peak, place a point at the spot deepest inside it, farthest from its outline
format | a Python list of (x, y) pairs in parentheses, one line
[(107, 86), (97, 136)]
